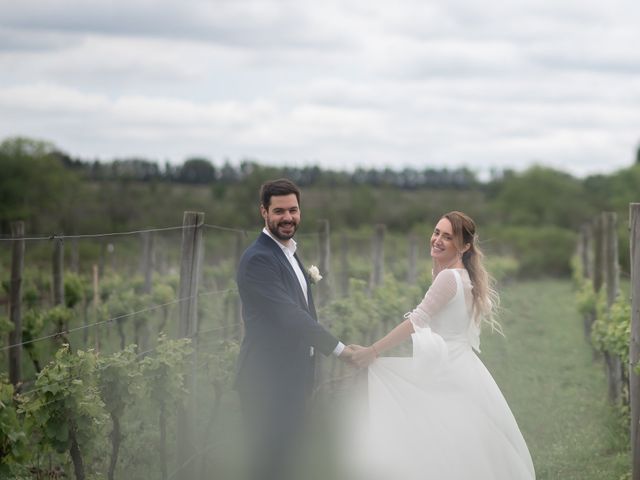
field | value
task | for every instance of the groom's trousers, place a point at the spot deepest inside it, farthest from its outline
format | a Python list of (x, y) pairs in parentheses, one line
[(273, 425)]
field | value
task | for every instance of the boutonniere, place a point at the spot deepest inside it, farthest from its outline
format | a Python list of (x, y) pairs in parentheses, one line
[(314, 274)]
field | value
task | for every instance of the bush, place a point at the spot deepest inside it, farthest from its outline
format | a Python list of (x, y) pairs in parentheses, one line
[(538, 250)]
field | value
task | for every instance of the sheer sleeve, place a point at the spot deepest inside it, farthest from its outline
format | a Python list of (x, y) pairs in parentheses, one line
[(441, 292)]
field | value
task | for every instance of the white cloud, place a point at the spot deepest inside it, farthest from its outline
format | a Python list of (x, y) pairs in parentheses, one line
[(345, 83)]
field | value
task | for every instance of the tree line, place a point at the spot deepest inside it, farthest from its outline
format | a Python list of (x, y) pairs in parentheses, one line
[(533, 213)]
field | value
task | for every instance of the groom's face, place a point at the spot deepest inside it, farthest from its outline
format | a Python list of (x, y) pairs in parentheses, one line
[(282, 216)]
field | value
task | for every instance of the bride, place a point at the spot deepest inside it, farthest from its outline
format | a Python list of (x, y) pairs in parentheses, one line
[(439, 414)]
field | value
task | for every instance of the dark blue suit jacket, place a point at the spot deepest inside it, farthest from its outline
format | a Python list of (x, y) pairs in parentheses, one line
[(279, 325)]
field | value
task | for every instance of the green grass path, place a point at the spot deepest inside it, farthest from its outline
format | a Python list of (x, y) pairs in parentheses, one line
[(556, 390)]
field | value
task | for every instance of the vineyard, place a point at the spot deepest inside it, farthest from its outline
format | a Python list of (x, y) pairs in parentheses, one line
[(124, 365), (121, 347)]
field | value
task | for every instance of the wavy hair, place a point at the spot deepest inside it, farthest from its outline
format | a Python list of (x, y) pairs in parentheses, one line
[(485, 298)]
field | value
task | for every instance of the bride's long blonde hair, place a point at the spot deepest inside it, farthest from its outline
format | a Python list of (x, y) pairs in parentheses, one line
[(485, 298)]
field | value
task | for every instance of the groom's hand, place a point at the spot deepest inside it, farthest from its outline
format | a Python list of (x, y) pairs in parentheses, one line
[(363, 356), (347, 354)]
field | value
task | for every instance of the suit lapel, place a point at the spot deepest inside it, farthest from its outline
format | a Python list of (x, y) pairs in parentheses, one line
[(311, 307), (282, 258)]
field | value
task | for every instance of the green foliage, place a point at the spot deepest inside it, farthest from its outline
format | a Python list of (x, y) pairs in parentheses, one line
[(502, 267), (66, 405), (119, 380), (612, 328), (33, 182), (393, 298), (164, 370), (110, 285), (74, 289), (6, 325), (33, 323), (197, 170), (220, 363), (352, 317), (577, 272), (542, 196), (60, 316), (538, 250), (586, 297), (14, 451), (162, 293), (358, 316)]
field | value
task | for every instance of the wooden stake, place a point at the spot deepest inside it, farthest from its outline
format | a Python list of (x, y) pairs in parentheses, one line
[(412, 271), (324, 247), (377, 273), (192, 252), (634, 347), (344, 264), (15, 303), (58, 271)]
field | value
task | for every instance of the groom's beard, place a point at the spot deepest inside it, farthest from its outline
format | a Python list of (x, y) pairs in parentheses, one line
[(282, 230)]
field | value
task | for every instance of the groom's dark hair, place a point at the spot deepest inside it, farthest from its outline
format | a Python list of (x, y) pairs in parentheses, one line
[(281, 186)]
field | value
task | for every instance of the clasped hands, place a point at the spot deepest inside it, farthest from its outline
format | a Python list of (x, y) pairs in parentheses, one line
[(358, 355)]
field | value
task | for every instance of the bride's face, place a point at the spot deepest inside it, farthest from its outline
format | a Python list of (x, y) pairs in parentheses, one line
[(443, 244)]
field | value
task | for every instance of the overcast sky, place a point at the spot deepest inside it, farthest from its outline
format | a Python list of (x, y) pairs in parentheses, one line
[(339, 83)]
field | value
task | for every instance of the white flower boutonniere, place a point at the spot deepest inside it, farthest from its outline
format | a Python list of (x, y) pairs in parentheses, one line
[(314, 274)]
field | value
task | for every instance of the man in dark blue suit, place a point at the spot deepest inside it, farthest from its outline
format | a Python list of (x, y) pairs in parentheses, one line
[(276, 362)]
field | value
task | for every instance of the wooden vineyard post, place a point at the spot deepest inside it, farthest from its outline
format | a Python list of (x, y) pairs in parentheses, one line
[(146, 266), (377, 273), (324, 247), (75, 255), (412, 271), (598, 270), (585, 257), (103, 255), (58, 271), (147, 260), (344, 265), (191, 259), (610, 273), (57, 259), (586, 241), (634, 347), (15, 302), (239, 324), (96, 300)]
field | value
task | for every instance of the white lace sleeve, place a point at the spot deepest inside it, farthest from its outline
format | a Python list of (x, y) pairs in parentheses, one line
[(441, 292)]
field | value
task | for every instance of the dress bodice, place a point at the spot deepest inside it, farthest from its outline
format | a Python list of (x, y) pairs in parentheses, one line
[(446, 309)]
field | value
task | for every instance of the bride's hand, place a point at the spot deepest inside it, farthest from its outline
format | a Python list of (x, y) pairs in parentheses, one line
[(363, 356)]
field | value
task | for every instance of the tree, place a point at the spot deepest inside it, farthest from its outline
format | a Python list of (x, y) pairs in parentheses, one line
[(197, 170), (33, 182), (542, 196)]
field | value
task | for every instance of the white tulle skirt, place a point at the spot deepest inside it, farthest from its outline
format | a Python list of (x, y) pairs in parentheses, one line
[(438, 415)]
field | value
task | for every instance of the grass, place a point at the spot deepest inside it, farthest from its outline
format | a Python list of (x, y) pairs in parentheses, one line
[(557, 391)]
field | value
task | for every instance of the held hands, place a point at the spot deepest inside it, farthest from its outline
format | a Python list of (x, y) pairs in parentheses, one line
[(362, 356), (347, 354)]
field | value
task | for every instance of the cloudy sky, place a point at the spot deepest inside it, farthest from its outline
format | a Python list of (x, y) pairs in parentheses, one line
[(339, 83)]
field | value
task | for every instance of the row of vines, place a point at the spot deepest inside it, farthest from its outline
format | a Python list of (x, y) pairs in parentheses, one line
[(610, 326)]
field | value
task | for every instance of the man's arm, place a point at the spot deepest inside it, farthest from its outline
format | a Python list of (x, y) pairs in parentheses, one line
[(259, 282)]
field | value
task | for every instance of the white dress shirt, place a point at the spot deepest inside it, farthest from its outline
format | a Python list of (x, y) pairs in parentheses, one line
[(289, 251)]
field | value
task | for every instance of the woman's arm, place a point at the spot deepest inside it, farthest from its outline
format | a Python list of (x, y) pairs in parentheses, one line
[(437, 297), (363, 356)]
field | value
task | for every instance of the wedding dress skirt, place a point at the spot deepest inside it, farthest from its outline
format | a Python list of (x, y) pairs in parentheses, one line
[(439, 415)]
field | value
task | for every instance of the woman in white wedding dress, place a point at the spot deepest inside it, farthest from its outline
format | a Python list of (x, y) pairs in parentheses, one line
[(439, 415)]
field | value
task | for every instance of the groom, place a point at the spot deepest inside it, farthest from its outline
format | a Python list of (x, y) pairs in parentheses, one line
[(276, 363)]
